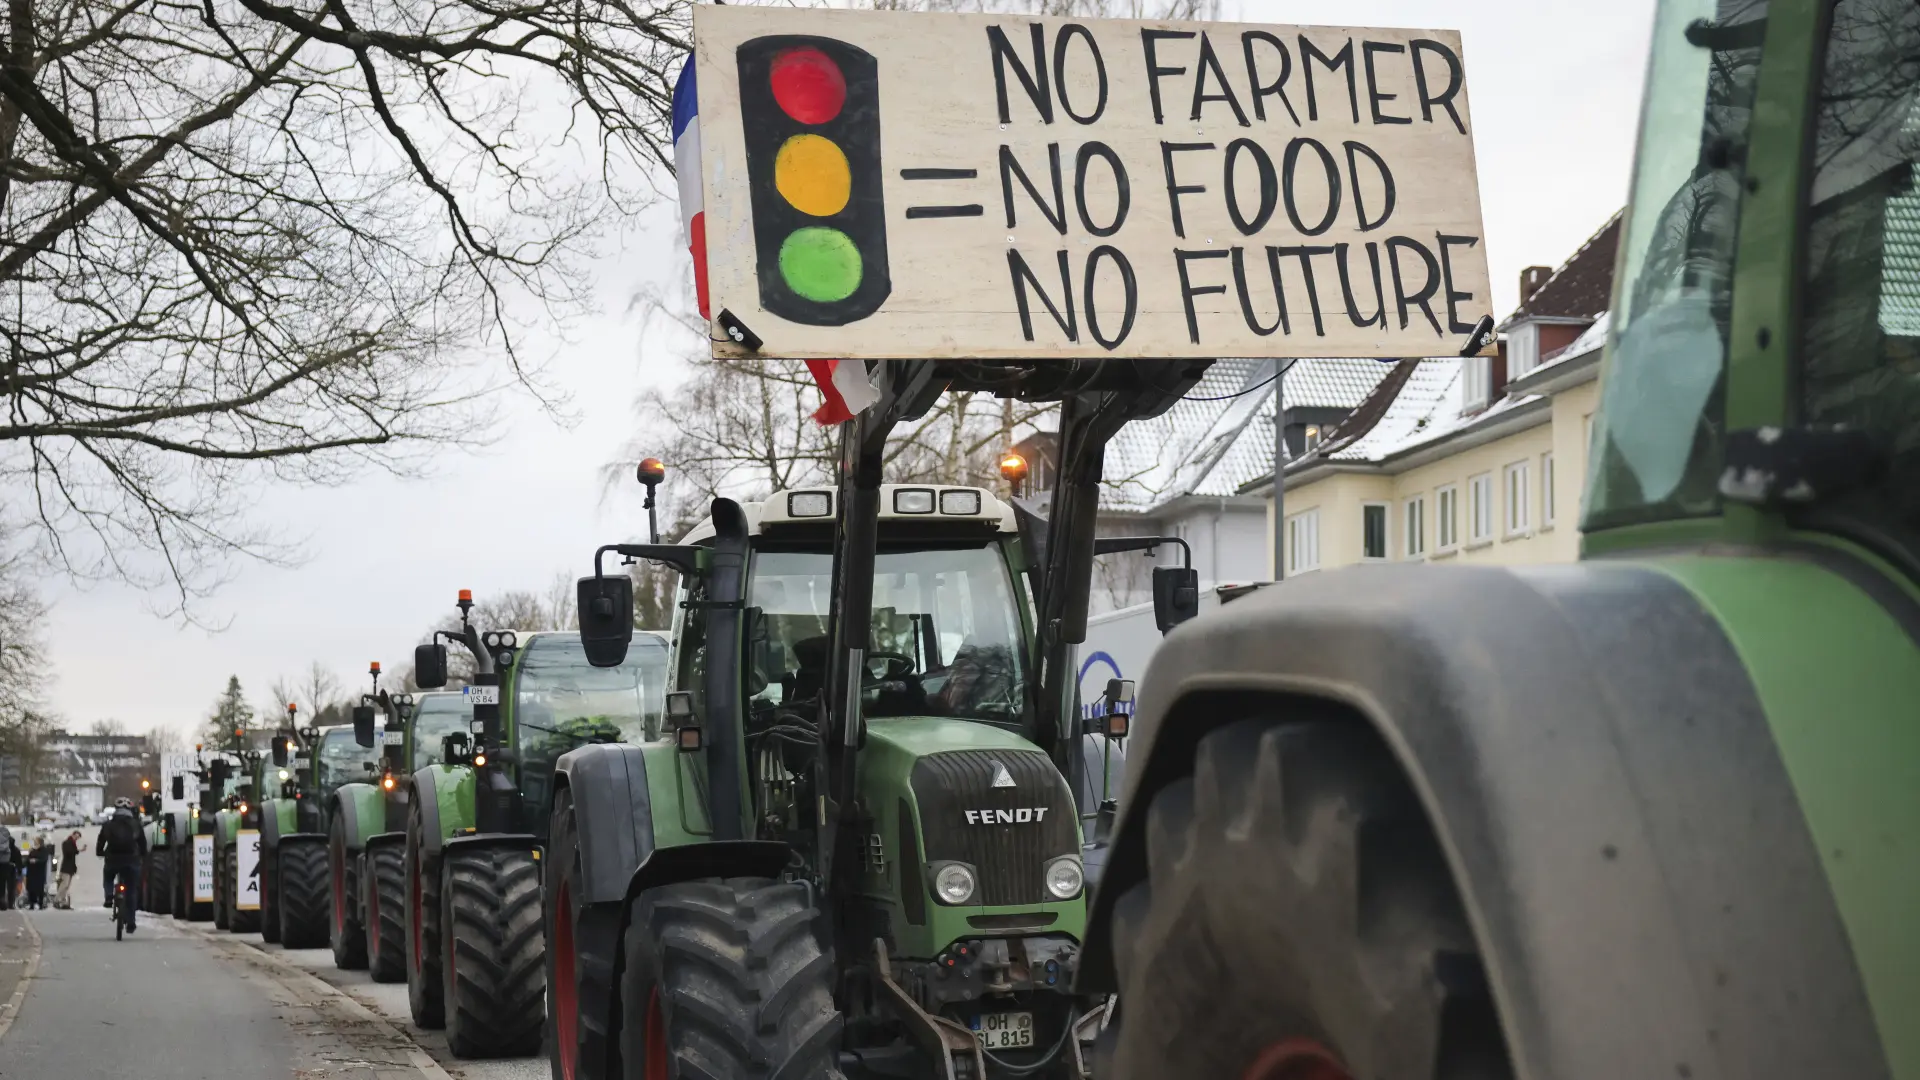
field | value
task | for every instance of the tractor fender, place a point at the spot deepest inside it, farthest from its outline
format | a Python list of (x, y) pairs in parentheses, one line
[(362, 812), (276, 820), (613, 815), (713, 858), (485, 841), (1600, 772), (385, 839), (446, 804)]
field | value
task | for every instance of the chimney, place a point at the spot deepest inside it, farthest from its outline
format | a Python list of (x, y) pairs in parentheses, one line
[(1531, 279)]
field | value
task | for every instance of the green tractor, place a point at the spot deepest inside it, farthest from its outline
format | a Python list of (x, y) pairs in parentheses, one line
[(309, 765), (857, 848), (1655, 814), (165, 832), (366, 837), (236, 845), (477, 820), (191, 869)]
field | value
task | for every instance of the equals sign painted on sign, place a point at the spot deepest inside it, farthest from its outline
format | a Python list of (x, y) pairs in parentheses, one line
[(966, 210)]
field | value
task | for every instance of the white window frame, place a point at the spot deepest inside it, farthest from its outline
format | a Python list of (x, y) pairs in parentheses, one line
[(1446, 517), (1523, 349), (1386, 531), (1303, 541), (1413, 527), (1480, 509), (1547, 493), (1517, 497), (1476, 381)]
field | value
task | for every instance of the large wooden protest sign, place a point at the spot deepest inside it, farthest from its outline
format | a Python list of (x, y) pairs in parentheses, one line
[(888, 184)]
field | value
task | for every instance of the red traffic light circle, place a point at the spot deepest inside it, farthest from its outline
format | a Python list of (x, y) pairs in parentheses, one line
[(807, 85)]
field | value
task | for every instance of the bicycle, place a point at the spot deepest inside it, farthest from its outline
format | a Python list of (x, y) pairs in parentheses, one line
[(122, 907)]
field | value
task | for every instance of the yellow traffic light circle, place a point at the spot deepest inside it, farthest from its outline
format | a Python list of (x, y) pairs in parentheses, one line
[(820, 264), (812, 173)]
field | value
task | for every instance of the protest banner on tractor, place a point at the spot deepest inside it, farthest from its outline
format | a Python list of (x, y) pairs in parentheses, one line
[(889, 184)]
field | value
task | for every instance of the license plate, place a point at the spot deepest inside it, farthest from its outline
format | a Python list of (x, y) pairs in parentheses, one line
[(483, 695), (1004, 1031)]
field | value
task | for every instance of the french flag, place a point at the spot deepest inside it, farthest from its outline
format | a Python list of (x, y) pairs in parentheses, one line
[(842, 382)]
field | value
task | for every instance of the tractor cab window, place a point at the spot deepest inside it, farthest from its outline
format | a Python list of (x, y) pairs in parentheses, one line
[(1860, 354), (434, 718), (947, 635), (340, 760), (560, 701), (1657, 449)]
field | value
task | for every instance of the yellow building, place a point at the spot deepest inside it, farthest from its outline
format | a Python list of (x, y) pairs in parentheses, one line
[(1476, 460)]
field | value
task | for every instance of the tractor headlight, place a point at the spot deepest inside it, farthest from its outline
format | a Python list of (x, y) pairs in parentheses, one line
[(1065, 878), (953, 883)]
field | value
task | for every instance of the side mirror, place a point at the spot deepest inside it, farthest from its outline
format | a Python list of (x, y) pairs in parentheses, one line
[(605, 606), (363, 725), (1176, 595), (179, 788), (280, 754), (222, 771), (430, 665)]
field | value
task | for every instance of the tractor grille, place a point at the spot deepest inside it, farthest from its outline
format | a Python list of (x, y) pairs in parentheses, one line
[(1010, 859)]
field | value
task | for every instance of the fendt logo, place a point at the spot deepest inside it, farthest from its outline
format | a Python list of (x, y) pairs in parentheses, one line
[(1023, 816)]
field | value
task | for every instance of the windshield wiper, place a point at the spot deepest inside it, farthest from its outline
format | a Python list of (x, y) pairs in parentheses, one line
[(1726, 37)]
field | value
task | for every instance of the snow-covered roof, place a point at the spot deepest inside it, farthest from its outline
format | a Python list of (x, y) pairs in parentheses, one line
[(1221, 436), (1427, 408)]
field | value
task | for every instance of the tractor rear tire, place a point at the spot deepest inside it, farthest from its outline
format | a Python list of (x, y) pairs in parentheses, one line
[(1298, 919), (270, 894), (220, 898), (345, 935), (238, 921), (159, 886), (386, 887), (582, 958), (728, 978), (495, 945), (302, 903), (423, 936)]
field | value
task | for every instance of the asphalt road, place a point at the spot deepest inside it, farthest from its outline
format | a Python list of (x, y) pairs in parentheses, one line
[(176, 1001)]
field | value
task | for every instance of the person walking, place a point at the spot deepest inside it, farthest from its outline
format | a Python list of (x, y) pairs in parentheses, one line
[(7, 871), (37, 860), (69, 866)]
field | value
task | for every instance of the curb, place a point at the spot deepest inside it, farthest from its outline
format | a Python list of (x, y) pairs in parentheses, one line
[(12, 1008), (417, 1057)]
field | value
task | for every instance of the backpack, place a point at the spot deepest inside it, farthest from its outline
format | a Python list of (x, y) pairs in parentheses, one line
[(121, 835)]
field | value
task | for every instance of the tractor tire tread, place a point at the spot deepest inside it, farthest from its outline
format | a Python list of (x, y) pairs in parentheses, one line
[(745, 982), (496, 937), (387, 921), (1296, 889), (305, 900)]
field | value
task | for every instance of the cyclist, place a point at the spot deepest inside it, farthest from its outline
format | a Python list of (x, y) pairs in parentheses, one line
[(122, 844)]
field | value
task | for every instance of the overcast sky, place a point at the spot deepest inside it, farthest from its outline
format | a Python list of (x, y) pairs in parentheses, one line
[(1555, 90)]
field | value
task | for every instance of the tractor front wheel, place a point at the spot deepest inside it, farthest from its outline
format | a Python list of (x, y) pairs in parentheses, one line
[(221, 920), (386, 887), (1298, 921), (422, 907), (159, 884), (345, 935), (302, 895), (495, 973), (270, 894), (727, 978)]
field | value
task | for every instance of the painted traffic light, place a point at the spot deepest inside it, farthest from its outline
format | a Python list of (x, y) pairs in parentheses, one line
[(810, 107)]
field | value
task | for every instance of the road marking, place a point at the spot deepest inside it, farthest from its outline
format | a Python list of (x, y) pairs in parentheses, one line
[(12, 1007)]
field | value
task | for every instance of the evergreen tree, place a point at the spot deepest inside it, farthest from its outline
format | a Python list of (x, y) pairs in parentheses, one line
[(231, 725)]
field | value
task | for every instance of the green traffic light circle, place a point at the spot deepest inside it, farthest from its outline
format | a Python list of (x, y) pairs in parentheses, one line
[(821, 264)]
